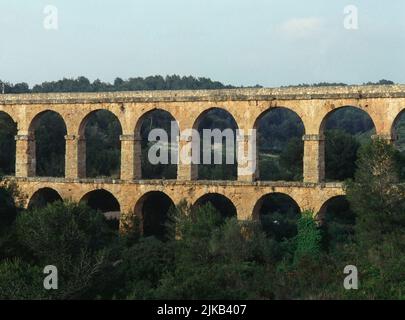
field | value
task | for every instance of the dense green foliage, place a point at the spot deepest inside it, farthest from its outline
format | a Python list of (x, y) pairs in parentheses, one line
[(82, 84), (379, 203), (50, 134), (340, 155), (280, 145), (158, 119), (170, 82), (103, 132), (377, 197), (8, 209), (222, 120)]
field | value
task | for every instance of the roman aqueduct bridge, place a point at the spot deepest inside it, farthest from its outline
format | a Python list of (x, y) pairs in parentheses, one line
[(383, 104)]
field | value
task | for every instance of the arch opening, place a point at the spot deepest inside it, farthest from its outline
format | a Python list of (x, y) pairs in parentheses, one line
[(279, 145), (345, 130), (153, 210), (102, 130), (49, 130), (337, 221), (217, 129), (8, 131), (159, 158), (278, 214), (43, 197), (398, 133), (222, 204), (106, 203)]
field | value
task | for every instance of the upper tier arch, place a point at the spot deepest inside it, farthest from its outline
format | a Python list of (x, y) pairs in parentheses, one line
[(331, 112)]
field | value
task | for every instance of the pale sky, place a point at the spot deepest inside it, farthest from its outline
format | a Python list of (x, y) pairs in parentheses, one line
[(239, 42)]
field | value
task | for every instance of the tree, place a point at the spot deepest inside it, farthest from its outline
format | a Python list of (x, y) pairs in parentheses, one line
[(214, 259), (308, 240), (375, 195), (19, 280), (291, 159), (71, 237), (340, 155), (379, 203), (50, 147), (8, 209)]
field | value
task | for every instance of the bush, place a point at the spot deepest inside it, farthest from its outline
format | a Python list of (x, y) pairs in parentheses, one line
[(71, 237), (308, 240), (19, 280)]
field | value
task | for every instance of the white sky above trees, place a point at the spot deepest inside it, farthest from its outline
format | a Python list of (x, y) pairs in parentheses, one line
[(239, 42)]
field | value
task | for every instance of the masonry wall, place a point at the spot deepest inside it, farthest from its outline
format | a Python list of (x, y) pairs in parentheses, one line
[(244, 196), (384, 104)]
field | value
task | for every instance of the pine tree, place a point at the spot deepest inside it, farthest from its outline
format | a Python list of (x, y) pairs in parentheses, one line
[(376, 196)]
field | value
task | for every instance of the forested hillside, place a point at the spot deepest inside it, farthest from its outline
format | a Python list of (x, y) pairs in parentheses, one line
[(82, 84)]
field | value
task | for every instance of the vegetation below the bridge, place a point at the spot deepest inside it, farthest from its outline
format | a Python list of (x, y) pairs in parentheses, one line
[(202, 255)]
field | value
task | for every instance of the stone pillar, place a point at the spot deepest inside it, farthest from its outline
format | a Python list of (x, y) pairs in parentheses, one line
[(314, 158), (25, 162), (247, 157), (75, 157), (186, 170), (131, 157)]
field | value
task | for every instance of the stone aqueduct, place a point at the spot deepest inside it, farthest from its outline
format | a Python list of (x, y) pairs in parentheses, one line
[(383, 104)]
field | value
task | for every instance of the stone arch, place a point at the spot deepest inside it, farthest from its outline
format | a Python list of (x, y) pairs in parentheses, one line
[(206, 171), (42, 197), (220, 202), (327, 116), (11, 112), (47, 158), (105, 202), (85, 119), (278, 213), (322, 211), (259, 203), (8, 131), (158, 171), (400, 118), (9, 116), (202, 114), (339, 143), (264, 112), (37, 117), (140, 120), (108, 148), (265, 164), (101, 200), (337, 220), (152, 210)]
